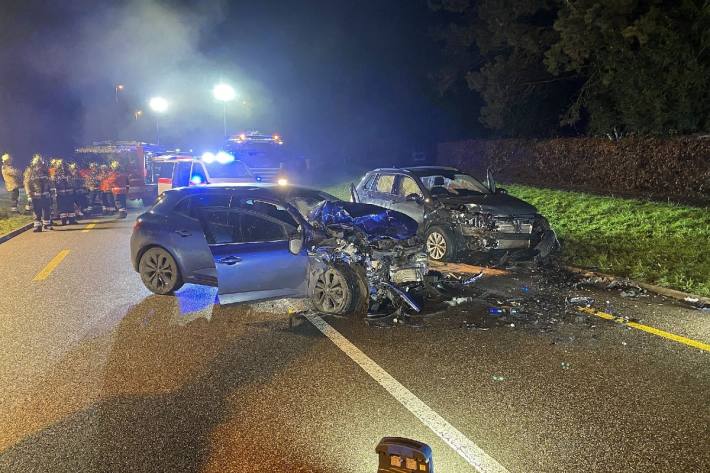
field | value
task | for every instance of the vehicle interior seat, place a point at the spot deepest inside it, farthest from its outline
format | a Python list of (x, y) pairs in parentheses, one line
[(438, 186)]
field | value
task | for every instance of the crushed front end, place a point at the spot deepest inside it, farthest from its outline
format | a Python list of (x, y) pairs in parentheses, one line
[(379, 245), (478, 230)]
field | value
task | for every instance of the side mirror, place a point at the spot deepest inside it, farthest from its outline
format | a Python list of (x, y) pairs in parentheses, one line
[(500, 190), (295, 242), (414, 197)]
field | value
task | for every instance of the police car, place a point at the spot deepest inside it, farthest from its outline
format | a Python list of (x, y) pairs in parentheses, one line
[(182, 170)]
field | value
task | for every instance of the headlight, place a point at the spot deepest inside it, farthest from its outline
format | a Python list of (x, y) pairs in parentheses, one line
[(282, 181)]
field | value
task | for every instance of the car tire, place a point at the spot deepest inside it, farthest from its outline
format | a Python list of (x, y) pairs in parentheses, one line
[(440, 244), (159, 271), (337, 291)]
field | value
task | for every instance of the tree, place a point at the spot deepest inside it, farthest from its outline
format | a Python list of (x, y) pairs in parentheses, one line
[(646, 64), (638, 66), (508, 39)]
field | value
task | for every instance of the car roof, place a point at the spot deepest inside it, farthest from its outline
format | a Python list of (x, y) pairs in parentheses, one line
[(263, 190), (417, 170)]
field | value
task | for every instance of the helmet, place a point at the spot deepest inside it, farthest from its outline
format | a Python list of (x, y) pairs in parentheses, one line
[(56, 162), (72, 166), (37, 160), (93, 166), (6, 158), (115, 165)]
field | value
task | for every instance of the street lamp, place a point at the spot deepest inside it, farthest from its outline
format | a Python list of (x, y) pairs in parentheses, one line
[(158, 105), (119, 87), (224, 93)]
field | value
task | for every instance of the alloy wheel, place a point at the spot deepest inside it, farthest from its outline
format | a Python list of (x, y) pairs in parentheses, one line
[(436, 245), (330, 291), (158, 271)]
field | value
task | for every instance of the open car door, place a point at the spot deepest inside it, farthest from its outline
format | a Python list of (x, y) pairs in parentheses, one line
[(252, 257)]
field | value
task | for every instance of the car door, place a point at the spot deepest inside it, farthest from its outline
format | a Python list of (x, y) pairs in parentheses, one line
[(187, 230), (163, 174), (181, 174), (361, 192), (406, 186), (381, 193), (252, 257)]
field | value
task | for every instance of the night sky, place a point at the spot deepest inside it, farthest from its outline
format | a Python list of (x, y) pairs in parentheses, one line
[(343, 81)]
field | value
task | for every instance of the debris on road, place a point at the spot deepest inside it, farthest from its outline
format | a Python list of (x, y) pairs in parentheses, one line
[(498, 378)]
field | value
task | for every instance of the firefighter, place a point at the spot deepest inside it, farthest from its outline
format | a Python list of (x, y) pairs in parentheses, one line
[(37, 187), (106, 178), (77, 183), (64, 191), (91, 183), (119, 188), (11, 176)]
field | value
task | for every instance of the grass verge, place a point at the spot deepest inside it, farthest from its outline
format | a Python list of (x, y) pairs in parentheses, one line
[(658, 243), (10, 221)]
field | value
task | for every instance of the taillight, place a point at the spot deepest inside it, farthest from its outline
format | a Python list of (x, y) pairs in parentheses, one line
[(137, 225)]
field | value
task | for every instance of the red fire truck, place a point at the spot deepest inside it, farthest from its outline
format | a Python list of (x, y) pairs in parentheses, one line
[(135, 158)]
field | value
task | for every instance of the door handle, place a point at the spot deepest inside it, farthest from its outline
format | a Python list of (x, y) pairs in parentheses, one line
[(230, 260), (183, 233)]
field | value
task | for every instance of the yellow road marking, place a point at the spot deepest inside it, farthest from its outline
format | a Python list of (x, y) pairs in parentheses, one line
[(88, 227), (51, 266), (646, 328)]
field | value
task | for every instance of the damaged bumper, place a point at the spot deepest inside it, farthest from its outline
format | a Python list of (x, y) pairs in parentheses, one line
[(490, 233), (379, 245)]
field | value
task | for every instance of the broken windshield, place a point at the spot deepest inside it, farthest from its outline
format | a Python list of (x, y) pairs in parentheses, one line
[(454, 184)]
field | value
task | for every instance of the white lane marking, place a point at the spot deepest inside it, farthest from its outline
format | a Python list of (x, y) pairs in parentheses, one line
[(468, 450)]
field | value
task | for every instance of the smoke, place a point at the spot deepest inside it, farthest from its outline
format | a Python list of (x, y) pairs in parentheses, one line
[(149, 47), (339, 80)]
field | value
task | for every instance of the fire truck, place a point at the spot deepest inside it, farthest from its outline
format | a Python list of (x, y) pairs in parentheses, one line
[(266, 156), (136, 158)]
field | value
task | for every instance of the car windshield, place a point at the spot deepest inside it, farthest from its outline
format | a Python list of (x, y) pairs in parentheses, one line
[(452, 183), (233, 170)]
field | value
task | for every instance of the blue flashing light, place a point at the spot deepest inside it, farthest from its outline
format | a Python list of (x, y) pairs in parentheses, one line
[(258, 178), (196, 180), (208, 157)]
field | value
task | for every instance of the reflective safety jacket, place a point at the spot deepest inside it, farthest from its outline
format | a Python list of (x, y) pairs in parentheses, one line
[(91, 179), (76, 181), (11, 176), (107, 180), (60, 182), (37, 183)]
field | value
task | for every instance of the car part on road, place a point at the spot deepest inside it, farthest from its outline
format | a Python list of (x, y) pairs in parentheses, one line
[(401, 455), (159, 271)]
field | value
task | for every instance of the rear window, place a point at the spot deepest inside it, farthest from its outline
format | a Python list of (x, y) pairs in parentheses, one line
[(233, 170)]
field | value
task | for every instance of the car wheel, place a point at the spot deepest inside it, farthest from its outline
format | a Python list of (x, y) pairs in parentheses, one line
[(336, 291), (159, 271), (439, 244)]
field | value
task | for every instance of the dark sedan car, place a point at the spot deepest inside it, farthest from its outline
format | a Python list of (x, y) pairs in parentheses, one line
[(457, 213), (263, 241)]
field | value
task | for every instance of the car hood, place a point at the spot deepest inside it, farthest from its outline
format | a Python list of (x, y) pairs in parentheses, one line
[(496, 204), (375, 222)]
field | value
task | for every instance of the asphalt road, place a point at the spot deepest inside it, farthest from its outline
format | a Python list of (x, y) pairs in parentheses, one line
[(97, 374)]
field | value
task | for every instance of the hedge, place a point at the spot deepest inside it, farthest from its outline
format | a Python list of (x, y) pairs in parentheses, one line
[(674, 168)]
